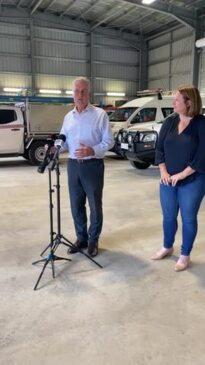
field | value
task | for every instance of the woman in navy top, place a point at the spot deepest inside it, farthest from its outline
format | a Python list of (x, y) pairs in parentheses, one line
[(180, 154)]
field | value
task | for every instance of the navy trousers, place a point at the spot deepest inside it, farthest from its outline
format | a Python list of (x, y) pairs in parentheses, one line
[(85, 182)]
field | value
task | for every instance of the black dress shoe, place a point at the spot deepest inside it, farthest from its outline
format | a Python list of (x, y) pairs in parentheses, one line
[(78, 245), (93, 248)]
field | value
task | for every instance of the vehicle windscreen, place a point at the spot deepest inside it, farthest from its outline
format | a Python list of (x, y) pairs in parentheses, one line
[(122, 114)]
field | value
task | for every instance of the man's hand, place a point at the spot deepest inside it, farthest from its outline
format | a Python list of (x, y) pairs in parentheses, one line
[(84, 151)]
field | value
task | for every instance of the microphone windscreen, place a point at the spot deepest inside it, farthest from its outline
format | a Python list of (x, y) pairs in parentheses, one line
[(62, 136)]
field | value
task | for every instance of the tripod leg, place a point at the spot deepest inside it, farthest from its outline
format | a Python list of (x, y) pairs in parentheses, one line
[(45, 249), (53, 267), (41, 274), (50, 244), (70, 244)]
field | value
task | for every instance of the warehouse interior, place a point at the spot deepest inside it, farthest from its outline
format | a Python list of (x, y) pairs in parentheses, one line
[(122, 46), (133, 311)]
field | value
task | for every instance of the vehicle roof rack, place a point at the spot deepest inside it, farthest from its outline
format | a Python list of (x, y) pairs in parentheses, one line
[(150, 92)]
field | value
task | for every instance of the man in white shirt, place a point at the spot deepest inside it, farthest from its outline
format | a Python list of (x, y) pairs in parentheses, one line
[(88, 137)]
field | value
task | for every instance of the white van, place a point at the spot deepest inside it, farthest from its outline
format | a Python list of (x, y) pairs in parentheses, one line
[(146, 110)]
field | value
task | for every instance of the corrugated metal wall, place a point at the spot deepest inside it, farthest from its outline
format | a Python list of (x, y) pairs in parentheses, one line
[(115, 68), (170, 59), (202, 68), (51, 58), (202, 71), (60, 52), (15, 65)]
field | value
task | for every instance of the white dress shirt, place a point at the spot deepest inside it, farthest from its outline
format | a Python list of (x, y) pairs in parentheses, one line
[(91, 127)]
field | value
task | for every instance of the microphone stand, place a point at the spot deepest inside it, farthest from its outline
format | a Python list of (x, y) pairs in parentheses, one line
[(56, 238)]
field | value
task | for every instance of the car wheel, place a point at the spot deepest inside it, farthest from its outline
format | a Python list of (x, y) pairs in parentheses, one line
[(36, 152), (140, 165)]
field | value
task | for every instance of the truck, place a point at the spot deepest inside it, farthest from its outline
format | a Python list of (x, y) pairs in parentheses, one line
[(25, 128)]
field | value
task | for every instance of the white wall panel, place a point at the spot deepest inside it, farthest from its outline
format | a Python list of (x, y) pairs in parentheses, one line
[(182, 80), (202, 71), (13, 29), (105, 85), (181, 65), (158, 70), (54, 82), (61, 50), (182, 32), (14, 80), (115, 71), (181, 47), (57, 56), (162, 83), (177, 54), (161, 40), (99, 39), (14, 45), (116, 55), (59, 67), (59, 34), (159, 53), (14, 64)]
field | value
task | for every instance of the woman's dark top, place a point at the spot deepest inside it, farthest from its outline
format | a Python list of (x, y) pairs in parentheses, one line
[(178, 151)]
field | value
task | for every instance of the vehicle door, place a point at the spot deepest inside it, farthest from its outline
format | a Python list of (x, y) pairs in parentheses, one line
[(118, 119), (145, 117), (11, 131)]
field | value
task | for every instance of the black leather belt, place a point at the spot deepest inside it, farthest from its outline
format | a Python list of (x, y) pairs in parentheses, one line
[(89, 160)]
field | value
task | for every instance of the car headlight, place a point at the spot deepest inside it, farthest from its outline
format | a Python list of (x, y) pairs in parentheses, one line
[(129, 138), (124, 134), (148, 137), (119, 137)]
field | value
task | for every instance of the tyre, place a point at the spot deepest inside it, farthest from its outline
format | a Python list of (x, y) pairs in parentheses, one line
[(26, 156), (36, 152), (140, 165)]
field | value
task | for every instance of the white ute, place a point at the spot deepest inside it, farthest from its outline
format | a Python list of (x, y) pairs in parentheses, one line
[(26, 128)]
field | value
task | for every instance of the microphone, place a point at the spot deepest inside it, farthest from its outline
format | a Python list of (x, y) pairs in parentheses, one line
[(58, 144), (48, 156)]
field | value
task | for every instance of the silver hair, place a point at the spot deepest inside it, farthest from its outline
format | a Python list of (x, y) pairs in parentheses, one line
[(83, 79)]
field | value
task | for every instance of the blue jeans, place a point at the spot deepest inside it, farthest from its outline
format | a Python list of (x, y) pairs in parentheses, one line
[(186, 198)]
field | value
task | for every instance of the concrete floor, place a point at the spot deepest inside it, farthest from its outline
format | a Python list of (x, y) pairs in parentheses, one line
[(132, 312)]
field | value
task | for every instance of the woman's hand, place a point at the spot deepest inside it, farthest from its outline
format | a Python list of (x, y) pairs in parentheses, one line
[(165, 176), (181, 175), (177, 177)]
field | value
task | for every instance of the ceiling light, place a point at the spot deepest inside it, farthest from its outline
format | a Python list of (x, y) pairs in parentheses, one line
[(45, 91), (69, 92), (115, 94), (147, 2), (12, 89)]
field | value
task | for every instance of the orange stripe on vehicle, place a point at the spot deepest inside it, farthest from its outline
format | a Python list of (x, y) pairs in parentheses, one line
[(10, 126)]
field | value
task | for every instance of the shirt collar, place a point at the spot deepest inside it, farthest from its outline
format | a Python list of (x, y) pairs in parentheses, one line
[(88, 107)]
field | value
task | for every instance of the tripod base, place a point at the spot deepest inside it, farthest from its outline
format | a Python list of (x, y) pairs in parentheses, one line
[(52, 257)]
